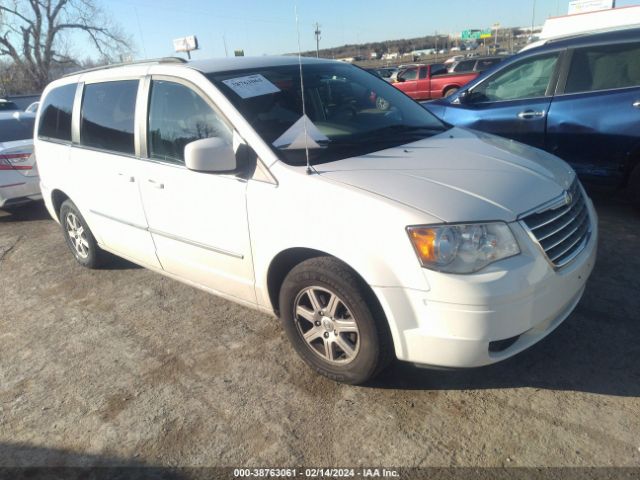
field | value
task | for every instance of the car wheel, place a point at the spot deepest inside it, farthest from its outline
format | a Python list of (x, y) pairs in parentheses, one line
[(332, 321), (382, 104), (78, 236), (450, 92)]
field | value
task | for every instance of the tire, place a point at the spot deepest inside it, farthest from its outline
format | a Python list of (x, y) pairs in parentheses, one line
[(78, 236), (450, 92), (382, 104), (350, 341)]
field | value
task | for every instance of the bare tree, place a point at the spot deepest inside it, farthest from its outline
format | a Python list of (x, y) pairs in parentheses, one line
[(34, 33)]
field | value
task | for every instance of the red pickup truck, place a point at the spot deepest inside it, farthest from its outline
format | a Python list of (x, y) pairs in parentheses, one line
[(426, 82)]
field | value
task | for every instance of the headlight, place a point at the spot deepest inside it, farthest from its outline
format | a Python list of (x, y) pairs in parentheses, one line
[(462, 248)]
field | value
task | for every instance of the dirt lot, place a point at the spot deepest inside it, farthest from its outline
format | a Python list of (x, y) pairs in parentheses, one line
[(125, 366)]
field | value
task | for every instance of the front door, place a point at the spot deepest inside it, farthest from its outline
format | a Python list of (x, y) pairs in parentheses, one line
[(513, 102), (407, 81), (198, 220)]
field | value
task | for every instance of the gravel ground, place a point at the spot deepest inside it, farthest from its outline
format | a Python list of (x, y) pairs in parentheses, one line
[(125, 366)]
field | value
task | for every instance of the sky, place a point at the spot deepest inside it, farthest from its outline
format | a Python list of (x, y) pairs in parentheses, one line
[(268, 26)]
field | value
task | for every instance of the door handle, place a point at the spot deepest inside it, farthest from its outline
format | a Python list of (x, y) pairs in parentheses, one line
[(155, 184), (129, 178), (529, 114), (636, 104)]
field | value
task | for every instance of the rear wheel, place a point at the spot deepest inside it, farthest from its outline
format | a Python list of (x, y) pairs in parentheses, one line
[(78, 236), (332, 323), (450, 92)]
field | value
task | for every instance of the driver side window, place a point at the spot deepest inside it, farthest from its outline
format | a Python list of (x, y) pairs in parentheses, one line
[(526, 79), (409, 74), (177, 117)]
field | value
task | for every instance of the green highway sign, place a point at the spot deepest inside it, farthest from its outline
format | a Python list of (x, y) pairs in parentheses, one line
[(476, 34)]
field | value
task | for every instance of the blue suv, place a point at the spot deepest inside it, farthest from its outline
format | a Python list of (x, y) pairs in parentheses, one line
[(576, 97)]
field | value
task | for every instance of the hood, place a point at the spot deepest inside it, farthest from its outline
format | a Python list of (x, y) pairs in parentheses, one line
[(458, 176)]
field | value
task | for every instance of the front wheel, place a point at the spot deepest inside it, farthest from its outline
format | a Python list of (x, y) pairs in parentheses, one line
[(332, 322)]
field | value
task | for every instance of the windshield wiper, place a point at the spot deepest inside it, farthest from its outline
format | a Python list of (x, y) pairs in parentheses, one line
[(386, 134)]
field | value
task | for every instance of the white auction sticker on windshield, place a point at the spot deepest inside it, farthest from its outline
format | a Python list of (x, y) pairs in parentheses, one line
[(251, 86)]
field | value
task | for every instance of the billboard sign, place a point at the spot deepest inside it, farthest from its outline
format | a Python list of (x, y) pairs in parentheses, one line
[(584, 6), (185, 44)]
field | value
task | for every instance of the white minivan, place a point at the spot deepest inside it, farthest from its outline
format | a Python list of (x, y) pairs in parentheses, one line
[(319, 193)]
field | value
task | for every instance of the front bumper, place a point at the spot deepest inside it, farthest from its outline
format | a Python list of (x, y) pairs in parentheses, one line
[(461, 321)]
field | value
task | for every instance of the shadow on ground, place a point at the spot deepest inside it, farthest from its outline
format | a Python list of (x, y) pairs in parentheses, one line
[(29, 212), (26, 462)]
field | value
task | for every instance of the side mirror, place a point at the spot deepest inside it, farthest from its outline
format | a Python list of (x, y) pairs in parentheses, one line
[(400, 79), (464, 98), (212, 155)]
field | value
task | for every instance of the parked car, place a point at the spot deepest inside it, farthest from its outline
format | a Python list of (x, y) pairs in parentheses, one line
[(451, 60), (425, 82), (478, 64), (33, 108), (578, 98), (371, 232), (384, 73), (19, 182), (7, 106)]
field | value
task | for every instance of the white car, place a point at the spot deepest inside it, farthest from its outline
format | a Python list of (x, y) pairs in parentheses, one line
[(19, 182), (33, 108), (371, 232)]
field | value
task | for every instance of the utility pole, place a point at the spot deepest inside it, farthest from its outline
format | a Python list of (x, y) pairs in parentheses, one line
[(318, 37), (436, 35), (533, 17)]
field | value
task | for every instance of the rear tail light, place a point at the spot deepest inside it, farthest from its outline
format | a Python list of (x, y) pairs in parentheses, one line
[(15, 161)]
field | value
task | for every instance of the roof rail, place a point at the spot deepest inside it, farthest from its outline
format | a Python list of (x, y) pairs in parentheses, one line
[(151, 61)]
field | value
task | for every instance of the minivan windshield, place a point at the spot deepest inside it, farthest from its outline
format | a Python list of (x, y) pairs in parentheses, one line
[(350, 111)]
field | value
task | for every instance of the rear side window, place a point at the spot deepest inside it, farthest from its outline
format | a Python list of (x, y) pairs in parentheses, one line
[(604, 68), (55, 116), (12, 129), (6, 106), (177, 117), (107, 119)]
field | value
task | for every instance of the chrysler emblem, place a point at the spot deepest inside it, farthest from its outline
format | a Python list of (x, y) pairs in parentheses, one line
[(567, 198)]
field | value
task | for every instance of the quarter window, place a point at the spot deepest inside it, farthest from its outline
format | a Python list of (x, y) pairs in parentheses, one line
[(55, 116), (604, 68), (528, 78), (108, 111), (177, 117)]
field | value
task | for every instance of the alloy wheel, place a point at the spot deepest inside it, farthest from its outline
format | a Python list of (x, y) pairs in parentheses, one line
[(327, 325), (77, 235)]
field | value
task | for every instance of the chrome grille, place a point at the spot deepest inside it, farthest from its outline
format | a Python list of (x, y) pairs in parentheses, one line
[(562, 230)]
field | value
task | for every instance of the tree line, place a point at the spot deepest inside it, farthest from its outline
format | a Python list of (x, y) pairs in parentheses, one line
[(36, 41)]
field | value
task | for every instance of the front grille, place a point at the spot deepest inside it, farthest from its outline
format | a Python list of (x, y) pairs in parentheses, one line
[(562, 230)]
